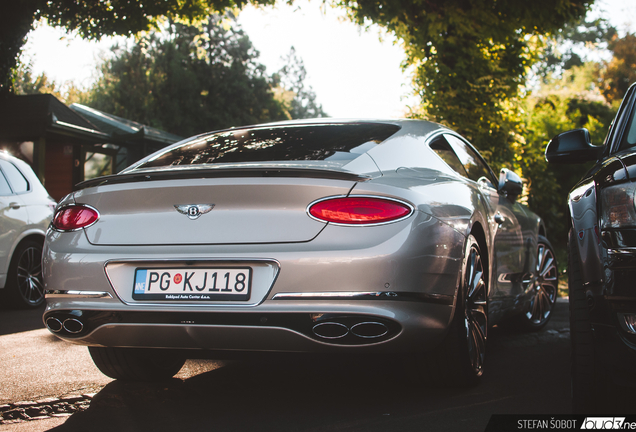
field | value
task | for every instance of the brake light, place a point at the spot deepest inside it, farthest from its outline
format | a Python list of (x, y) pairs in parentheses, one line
[(74, 217), (359, 210)]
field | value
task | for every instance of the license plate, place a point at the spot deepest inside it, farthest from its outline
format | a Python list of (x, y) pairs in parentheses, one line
[(192, 284)]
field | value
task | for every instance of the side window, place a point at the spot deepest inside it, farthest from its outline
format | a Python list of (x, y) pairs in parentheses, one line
[(18, 183), (471, 161), (442, 148), (4, 186)]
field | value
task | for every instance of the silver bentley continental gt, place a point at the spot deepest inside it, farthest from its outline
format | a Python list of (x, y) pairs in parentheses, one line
[(322, 236)]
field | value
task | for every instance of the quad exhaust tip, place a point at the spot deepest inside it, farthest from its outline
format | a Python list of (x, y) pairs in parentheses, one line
[(73, 325), (331, 330), (70, 325), (369, 330), (53, 324), (364, 330)]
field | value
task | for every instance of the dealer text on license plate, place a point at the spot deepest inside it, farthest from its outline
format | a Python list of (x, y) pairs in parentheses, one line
[(192, 284)]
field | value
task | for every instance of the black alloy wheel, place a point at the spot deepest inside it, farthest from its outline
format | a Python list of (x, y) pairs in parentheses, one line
[(545, 287), (25, 287), (475, 311)]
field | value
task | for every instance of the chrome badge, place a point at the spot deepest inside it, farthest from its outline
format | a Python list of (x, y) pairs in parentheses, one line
[(193, 211)]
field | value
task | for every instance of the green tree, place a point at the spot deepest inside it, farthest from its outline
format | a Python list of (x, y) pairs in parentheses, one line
[(568, 46), (25, 82), (92, 19), (189, 79), (470, 56), (568, 101), (620, 72), (300, 99)]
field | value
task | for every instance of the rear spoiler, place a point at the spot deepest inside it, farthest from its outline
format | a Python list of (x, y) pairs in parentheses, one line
[(183, 174)]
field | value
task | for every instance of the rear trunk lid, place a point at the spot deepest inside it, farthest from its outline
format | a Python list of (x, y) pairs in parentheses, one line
[(216, 210)]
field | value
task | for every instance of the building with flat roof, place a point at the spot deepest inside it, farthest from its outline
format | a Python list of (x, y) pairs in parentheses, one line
[(66, 145)]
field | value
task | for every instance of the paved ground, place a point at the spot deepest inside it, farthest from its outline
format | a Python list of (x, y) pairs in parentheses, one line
[(526, 373), (36, 364)]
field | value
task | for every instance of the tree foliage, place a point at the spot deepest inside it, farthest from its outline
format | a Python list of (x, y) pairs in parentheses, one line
[(620, 72), (188, 80), (571, 95), (93, 19), (563, 102), (25, 82), (566, 48), (299, 98)]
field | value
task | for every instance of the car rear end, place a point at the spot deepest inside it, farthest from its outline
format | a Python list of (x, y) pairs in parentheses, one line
[(251, 256)]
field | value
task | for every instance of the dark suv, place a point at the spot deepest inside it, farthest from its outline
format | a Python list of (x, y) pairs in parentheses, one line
[(602, 261)]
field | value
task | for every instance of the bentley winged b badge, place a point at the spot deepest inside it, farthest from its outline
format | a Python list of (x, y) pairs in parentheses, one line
[(193, 211)]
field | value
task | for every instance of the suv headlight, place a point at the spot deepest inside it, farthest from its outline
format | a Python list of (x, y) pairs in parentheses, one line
[(617, 206)]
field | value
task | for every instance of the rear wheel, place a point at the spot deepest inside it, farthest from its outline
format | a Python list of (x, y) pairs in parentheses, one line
[(25, 288), (460, 359), (136, 364)]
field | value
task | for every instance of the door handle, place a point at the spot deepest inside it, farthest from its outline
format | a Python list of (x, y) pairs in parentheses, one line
[(499, 218), (14, 205)]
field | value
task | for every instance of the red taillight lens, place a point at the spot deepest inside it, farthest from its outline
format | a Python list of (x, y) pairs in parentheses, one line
[(74, 217), (359, 210)]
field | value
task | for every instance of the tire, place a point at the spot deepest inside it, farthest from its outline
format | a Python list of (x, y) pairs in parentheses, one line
[(25, 288), (459, 361), (545, 290), (136, 364)]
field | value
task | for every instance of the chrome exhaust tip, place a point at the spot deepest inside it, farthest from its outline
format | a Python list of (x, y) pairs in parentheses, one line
[(330, 330), (73, 325), (369, 330), (53, 324)]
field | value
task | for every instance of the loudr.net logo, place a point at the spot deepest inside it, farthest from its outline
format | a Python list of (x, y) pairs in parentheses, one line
[(603, 423)]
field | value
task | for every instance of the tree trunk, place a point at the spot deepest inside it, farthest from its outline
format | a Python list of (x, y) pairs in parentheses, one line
[(16, 20)]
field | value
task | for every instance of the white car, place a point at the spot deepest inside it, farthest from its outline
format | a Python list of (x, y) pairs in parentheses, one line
[(26, 210)]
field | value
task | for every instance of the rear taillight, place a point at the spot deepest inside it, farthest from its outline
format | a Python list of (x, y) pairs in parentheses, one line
[(74, 217), (359, 210)]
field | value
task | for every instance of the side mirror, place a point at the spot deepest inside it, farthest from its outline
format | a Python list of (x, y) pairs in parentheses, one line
[(572, 146), (510, 183)]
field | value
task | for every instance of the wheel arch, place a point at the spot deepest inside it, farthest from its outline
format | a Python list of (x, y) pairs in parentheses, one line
[(542, 231), (25, 292), (33, 235), (477, 230), (38, 237)]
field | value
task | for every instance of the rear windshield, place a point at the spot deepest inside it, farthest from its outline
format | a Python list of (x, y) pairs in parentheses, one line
[(283, 143)]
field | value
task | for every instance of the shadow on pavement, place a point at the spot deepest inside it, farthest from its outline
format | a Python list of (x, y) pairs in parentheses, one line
[(312, 396), (526, 373), (20, 320)]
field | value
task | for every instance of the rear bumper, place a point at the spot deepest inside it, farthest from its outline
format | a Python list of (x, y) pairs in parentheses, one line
[(402, 276), (276, 326)]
